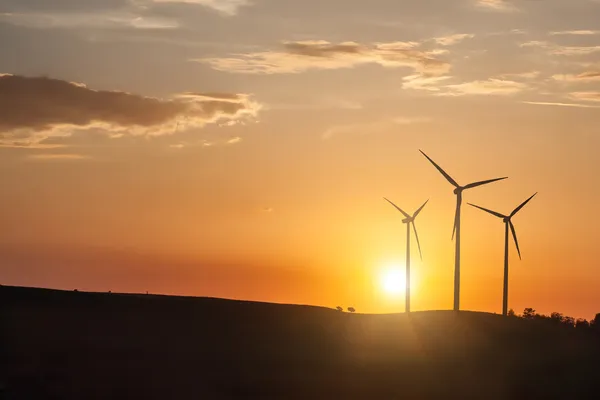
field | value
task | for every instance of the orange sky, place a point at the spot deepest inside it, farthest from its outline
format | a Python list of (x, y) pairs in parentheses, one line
[(265, 180)]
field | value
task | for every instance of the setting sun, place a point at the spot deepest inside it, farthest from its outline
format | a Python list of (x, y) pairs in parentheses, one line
[(393, 280)]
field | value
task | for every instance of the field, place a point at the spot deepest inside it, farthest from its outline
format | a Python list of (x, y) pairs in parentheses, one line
[(75, 345)]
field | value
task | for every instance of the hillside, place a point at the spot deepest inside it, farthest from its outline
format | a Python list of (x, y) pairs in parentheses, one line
[(74, 345)]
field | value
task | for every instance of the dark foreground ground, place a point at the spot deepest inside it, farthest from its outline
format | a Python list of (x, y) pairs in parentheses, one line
[(69, 345)]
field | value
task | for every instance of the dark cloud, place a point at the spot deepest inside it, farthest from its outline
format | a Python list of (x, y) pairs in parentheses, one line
[(33, 109)]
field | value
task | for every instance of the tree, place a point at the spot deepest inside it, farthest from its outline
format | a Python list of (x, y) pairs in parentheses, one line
[(529, 313), (595, 323), (557, 317), (511, 313), (339, 308), (351, 309), (582, 323)]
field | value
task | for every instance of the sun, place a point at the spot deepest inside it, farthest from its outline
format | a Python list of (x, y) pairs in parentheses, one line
[(393, 280)]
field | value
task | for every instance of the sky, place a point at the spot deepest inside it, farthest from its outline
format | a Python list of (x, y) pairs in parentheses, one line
[(242, 148)]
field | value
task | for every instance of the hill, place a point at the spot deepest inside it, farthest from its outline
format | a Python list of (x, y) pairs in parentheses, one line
[(75, 345)]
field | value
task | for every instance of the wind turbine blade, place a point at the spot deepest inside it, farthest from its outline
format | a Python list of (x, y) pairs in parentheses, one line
[(418, 243), (419, 210), (398, 208), (522, 205), (448, 177), (475, 184), (458, 203), (488, 211), (512, 228)]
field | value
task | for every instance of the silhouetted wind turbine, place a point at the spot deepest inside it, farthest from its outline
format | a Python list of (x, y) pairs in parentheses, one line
[(408, 220), (458, 189), (507, 222)]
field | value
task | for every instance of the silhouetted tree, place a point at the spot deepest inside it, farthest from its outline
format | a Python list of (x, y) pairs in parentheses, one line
[(529, 313), (511, 313), (556, 317), (595, 323), (351, 309), (339, 308), (582, 324)]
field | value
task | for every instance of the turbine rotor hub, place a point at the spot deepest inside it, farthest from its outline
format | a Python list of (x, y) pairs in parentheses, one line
[(458, 190)]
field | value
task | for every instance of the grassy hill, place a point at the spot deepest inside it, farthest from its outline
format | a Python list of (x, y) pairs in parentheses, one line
[(75, 345)]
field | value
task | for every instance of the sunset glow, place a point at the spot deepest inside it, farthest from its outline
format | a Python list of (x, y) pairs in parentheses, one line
[(242, 149)]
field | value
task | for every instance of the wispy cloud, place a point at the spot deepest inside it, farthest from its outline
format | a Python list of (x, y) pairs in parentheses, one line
[(58, 157), (453, 39), (424, 82), (234, 140), (520, 75), (576, 33), (585, 96), (302, 56), (34, 109), (492, 86), (556, 49), (496, 5), (575, 105), (98, 19), (584, 77), (227, 7)]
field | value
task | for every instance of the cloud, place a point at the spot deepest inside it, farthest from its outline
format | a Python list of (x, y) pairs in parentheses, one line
[(234, 140), (584, 77), (521, 75), (559, 50), (35, 109), (302, 56), (423, 82), (576, 105), (227, 7), (98, 19), (491, 86), (496, 5), (453, 39), (585, 96), (576, 32), (59, 157)]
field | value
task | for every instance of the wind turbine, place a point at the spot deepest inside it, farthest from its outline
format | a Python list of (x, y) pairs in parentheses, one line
[(458, 189), (507, 222), (408, 220)]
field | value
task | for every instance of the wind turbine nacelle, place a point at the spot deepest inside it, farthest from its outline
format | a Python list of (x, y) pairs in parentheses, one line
[(458, 190), (506, 220), (407, 220)]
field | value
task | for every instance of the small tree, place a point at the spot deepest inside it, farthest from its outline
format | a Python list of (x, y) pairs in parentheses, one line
[(557, 317), (511, 313), (351, 309), (529, 313), (339, 308)]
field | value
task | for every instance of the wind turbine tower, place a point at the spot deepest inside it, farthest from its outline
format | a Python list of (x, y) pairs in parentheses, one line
[(408, 220), (458, 190), (507, 219)]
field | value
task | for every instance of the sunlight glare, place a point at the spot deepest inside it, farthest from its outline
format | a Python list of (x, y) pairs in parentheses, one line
[(393, 280)]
